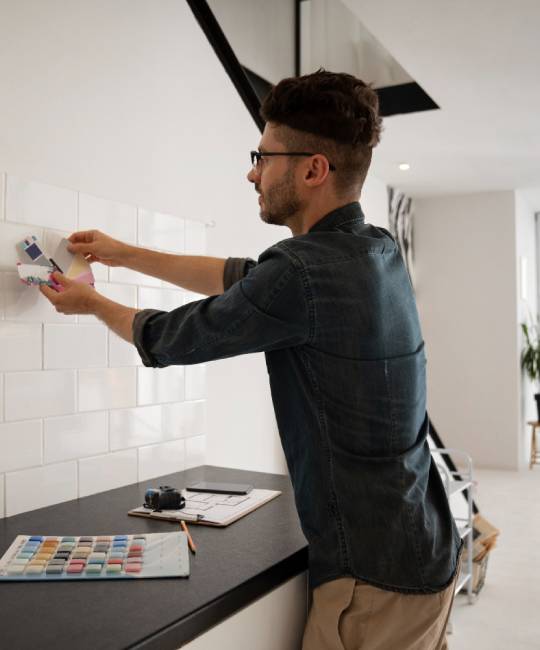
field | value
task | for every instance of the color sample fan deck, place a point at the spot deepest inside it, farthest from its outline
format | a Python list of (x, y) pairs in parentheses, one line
[(151, 555)]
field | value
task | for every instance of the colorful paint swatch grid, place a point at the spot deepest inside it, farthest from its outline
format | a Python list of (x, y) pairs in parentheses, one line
[(152, 555)]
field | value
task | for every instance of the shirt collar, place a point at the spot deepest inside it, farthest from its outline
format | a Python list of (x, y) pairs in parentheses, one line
[(352, 212)]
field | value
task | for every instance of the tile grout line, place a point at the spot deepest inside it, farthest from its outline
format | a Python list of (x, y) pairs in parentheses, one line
[(109, 430), (4, 194), (137, 303), (42, 432), (78, 477), (76, 371)]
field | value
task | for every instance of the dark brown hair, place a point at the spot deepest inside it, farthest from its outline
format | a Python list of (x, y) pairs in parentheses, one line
[(331, 113)]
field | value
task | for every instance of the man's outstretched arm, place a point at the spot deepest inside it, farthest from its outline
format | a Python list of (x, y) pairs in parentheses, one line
[(197, 273), (266, 310), (77, 298)]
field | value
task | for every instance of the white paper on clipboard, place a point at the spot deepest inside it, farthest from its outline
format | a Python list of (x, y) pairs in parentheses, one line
[(212, 509)]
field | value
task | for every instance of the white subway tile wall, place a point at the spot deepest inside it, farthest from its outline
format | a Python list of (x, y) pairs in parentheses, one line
[(122, 353), (40, 205), (115, 219), (107, 472), (128, 276), (157, 385), (184, 419), (74, 346), (79, 413), (21, 346), (39, 487), (20, 445), (165, 299), (160, 231), (195, 381), (135, 427), (195, 234), (166, 458), (2, 497), (195, 451), (39, 393), (2, 196), (74, 436), (107, 388), (121, 293)]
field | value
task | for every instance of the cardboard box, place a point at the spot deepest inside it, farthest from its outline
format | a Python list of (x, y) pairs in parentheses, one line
[(484, 540), (479, 574)]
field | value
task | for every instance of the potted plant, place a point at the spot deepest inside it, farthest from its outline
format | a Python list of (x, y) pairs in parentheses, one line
[(530, 358)]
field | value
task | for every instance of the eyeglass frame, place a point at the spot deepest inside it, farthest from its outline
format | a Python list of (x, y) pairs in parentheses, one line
[(258, 155)]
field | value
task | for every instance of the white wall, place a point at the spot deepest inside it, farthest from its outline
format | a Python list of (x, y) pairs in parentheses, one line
[(374, 201), (276, 620), (261, 33), (333, 37), (107, 109), (330, 35), (242, 430), (126, 103), (466, 267), (80, 413), (527, 303), (124, 100)]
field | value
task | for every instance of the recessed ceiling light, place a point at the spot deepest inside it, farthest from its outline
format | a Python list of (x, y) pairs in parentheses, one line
[(404, 166)]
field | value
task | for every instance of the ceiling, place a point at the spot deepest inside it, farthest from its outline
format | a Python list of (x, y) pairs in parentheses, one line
[(480, 62)]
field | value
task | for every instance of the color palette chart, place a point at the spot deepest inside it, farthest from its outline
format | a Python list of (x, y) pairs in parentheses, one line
[(150, 555)]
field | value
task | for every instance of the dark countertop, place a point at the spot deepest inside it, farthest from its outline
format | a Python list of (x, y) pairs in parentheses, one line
[(233, 567)]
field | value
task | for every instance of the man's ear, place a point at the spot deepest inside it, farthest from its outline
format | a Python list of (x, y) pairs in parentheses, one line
[(317, 171)]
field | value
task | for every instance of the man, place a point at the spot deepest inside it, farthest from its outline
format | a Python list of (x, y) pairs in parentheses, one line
[(333, 309)]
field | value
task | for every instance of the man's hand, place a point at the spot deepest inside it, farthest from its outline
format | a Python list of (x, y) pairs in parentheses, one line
[(98, 247), (74, 298)]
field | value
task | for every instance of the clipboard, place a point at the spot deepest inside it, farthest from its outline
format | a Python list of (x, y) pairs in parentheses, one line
[(211, 509)]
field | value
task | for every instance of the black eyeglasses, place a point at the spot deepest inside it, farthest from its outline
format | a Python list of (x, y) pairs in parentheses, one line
[(256, 157)]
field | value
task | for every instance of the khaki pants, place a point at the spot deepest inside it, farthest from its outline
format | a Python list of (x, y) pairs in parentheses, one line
[(348, 614)]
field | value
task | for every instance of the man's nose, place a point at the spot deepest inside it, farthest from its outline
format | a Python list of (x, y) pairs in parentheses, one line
[(252, 176)]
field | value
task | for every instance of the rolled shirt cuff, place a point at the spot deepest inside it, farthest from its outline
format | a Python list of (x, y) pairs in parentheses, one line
[(137, 329), (235, 269)]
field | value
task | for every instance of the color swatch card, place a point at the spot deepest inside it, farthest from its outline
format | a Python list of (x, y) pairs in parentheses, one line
[(152, 555), (74, 267), (35, 266)]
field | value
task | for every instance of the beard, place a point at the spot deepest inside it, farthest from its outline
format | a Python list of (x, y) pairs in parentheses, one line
[(281, 201)]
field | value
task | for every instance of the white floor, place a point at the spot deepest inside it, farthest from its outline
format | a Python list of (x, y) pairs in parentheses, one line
[(506, 614)]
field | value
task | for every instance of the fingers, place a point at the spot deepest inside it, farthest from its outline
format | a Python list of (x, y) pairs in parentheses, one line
[(55, 298), (49, 293), (83, 236), (85, 249), (61, 279), (83, 242)]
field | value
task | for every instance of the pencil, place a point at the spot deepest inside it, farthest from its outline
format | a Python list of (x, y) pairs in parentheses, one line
[(192, 546)]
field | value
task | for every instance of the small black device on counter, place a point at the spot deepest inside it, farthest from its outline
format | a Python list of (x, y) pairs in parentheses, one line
[(163, 498), (220, 488)]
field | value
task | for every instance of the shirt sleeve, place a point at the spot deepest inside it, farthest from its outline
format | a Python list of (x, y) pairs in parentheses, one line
[(263, 310), (235, 269)]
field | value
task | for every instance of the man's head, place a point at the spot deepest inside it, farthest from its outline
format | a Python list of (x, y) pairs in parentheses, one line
[(332, 116)]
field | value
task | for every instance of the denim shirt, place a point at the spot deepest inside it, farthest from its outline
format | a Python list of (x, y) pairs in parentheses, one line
[(334, 312)]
